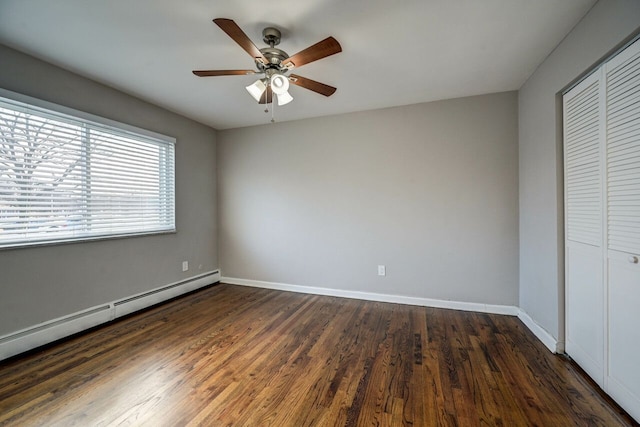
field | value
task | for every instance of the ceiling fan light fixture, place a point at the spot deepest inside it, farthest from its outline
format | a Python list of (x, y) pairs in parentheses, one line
[(284, 98), (279, 84), (257, 89)]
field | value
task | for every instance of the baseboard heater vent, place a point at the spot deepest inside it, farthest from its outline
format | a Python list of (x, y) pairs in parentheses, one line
[(54, 323), (154, 296), (163, 289), (47, 332)]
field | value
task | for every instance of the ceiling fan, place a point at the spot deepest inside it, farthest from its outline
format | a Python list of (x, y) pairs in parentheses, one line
[(275, 64)]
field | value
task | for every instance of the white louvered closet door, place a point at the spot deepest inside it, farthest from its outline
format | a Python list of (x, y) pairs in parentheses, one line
[(602, 226), (622, 81), (583, 153)]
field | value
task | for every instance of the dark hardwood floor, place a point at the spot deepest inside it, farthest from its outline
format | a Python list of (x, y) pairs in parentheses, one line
[(237, 356)]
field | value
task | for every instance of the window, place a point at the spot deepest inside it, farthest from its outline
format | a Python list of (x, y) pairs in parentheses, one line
[(64, 177)]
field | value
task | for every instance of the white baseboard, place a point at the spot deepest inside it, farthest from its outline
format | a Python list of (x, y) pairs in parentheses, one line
[(369, 296), (44, 333), (547, 339), (35, 336)]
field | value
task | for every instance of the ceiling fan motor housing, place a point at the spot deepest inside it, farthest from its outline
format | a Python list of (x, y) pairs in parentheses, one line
[(274, 56)]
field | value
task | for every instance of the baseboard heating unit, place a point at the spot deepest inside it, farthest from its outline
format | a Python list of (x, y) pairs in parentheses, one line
[(44, 333)]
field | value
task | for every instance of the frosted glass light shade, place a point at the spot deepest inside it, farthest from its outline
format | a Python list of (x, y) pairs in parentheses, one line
[(257, 89), (284, 98), (279, 84)]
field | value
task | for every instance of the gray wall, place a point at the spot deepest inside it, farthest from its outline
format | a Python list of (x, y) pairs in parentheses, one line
[(540, 142), (429, 190), (38, 284)]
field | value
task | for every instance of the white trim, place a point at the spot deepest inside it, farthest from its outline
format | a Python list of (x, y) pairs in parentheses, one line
[(37, 335), (547, 339), (370, 296)]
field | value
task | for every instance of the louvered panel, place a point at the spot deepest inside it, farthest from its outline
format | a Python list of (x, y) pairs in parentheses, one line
[(625, 69), (623, 177), (623, 89), (587, 224), (623, 155), (584, 193), (585, 125), (621, 122), (623, 163), (626, 192), (588, 146), (580, 101), (625, 135), (624, 149), (621, 219), (581, 185), (627, 195), (583, 165), (628, 237), (584, 183), (630, 97), (588, 150), (583, 170), (582, 119)]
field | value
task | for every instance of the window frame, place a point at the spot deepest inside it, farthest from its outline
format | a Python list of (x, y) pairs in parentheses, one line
[(62, 113)]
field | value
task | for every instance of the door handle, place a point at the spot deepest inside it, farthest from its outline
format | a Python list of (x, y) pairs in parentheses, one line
[(633, 259)]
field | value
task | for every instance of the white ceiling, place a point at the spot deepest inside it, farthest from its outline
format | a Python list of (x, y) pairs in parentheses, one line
[(393, 52)]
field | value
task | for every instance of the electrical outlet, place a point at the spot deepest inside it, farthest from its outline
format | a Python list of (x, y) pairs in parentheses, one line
[(382, 270), (185, 265)]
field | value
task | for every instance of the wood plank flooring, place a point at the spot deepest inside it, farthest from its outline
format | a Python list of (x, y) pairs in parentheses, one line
[(237, 356)]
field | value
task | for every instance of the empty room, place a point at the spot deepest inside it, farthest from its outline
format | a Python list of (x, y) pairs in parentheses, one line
[(320, 213)]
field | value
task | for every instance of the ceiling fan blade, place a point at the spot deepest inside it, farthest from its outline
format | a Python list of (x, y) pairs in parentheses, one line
[(236, 33), (313, 85), (322, 49), (212, 73), (267, 96)]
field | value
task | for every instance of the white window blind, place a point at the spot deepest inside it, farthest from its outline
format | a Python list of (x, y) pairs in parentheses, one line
[(65, 178)]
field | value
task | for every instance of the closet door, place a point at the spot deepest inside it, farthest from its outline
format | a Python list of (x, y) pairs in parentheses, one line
[(623, 221), (584, 153)]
